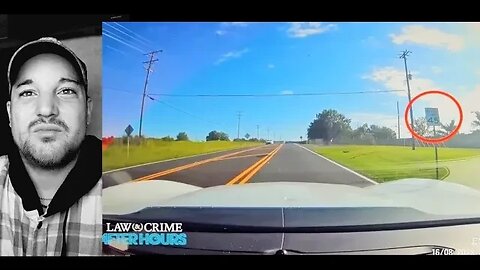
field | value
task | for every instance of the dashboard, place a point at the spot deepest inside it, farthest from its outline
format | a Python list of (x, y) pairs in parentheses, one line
[(292, 231)]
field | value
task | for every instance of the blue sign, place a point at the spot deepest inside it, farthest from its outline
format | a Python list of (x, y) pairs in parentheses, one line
[(129, 130), (432, 116)]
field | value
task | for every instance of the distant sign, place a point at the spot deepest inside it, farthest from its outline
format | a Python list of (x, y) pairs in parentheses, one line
[(129, 130), (432, 116)]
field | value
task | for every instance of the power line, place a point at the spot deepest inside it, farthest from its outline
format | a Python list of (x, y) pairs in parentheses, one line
[(134, 33), (115, 49), (185, 112), (171, 106), (128, 35), (276, 95), (263, 95), (119, 90), (115, 35), (131, 46), (119, 38)]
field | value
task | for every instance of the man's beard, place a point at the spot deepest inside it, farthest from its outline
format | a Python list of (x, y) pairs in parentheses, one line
[(50, 159)]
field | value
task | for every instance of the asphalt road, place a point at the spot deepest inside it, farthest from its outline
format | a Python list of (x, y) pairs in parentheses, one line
[(294, 163), (267, 163)]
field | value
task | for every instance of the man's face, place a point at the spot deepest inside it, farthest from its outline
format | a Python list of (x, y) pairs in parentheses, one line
[(48, 111)]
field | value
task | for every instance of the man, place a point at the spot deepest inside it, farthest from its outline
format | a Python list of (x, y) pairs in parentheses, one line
[(50, 181)]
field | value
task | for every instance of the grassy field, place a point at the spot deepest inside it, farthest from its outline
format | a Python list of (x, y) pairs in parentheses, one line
[(116, 155), (385, 163)]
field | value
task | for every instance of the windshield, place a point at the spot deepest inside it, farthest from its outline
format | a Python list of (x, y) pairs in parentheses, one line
[(320, 115)]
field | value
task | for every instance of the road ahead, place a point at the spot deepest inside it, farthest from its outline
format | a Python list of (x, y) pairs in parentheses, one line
[(267, 163)]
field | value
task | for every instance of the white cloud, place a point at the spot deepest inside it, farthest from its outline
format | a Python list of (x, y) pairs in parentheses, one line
[(478, 72), (431, 37), (231, 55), (305, 29), (474, 26), (437, 70), (271, 66), (286, 92), (394, 79), (473, 30), (220, 32)]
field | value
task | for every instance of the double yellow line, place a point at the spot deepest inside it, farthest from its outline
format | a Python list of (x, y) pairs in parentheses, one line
[(247, 174), (190, 165)]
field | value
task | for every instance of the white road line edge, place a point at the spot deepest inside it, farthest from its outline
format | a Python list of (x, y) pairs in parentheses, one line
[(343, 167), (172, 159)]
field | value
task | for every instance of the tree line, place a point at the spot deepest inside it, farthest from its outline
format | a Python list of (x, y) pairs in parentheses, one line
[(183, 136), (331, 126)]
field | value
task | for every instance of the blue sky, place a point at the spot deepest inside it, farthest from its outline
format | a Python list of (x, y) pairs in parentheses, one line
[(283, 59)]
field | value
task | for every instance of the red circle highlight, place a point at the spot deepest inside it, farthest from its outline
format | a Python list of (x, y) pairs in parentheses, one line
[(434, 140)]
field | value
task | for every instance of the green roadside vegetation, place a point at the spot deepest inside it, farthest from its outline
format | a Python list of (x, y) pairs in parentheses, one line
[(115, 156), (386, 163)]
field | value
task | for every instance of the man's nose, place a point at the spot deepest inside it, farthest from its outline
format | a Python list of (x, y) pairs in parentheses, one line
[(47, 106)]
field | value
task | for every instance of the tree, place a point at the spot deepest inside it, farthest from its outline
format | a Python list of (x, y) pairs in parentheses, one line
[(182, 136), (447, 129), (420, 126), (361, 132), (476, 122), (213, 136), (361, 135), (382, 133), (217, 136), (224, 136), (328, 125), (167, 139), (247, 136)]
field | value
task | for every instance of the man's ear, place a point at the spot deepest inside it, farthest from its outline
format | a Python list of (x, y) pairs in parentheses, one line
[(89, 109), (9, 114)]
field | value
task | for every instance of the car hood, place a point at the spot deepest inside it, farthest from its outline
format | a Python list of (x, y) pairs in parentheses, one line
[(430, 196)]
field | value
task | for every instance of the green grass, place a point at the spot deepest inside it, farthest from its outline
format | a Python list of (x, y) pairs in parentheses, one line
[(385, 163), (116, 155)]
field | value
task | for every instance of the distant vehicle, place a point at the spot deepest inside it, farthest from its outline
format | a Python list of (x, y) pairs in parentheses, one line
[(269, 142)]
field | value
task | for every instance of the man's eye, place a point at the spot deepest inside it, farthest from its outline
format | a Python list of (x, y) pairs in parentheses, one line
[(67, 91), (26, 93)]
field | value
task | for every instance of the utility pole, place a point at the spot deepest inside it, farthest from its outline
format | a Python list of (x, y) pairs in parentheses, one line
[(404, 56), (398, 120), (239, 114), (258, 136), (149, 69), (268, 133)]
